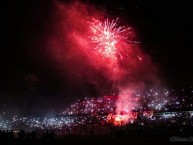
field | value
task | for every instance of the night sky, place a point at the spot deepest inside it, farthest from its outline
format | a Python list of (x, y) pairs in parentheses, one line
[(28, 78)]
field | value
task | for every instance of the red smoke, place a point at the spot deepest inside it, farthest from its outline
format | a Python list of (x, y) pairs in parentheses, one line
[(70, 45), (70, 48)]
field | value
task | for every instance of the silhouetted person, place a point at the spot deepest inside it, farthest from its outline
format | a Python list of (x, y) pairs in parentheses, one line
[(52, 134), (33, 135), (28, 136), (3, 135), (10, 135), (22, 135), (46, 135)]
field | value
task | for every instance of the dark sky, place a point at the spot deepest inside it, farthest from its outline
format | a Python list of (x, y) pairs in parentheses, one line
[(164, 28)]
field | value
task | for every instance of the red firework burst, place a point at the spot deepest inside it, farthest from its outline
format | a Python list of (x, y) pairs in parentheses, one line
[(108, 36)]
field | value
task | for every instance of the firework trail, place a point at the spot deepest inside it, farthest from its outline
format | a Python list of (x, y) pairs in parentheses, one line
[(110, 40)]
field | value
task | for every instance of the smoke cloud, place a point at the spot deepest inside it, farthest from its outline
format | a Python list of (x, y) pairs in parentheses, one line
[(71, 53)]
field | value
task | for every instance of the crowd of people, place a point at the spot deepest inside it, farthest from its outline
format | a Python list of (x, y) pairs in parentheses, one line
[(153, 99), (167, 108)]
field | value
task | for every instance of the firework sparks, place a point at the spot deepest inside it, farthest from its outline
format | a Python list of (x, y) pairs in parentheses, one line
[(108, 36)]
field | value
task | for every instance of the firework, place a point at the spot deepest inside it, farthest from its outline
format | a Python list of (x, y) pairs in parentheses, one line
[(108, 36)]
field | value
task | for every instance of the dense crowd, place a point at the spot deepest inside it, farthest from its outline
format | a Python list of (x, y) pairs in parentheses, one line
[(168, 107), (156, 100)]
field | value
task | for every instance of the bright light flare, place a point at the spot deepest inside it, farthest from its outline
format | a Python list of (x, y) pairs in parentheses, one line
[(107, 36)]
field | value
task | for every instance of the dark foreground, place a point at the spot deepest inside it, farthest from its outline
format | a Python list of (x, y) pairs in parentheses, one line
[(109, 136), (100, 141), (107, 140)]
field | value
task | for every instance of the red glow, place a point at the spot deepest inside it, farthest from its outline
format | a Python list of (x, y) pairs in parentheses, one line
[(83, 39), (86, 47), (123, 119)]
